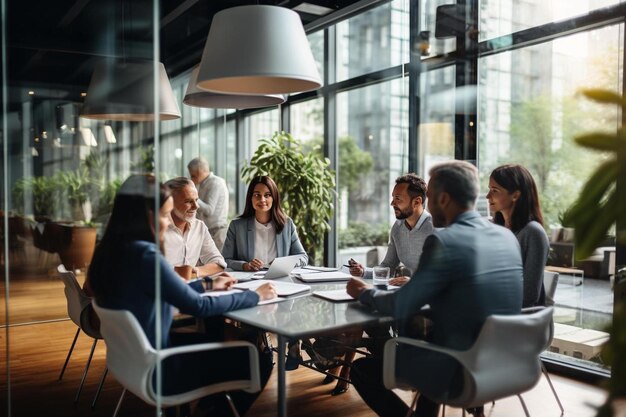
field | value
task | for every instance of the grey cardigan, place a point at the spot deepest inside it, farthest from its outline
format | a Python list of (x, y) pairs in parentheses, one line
[(239, 245)]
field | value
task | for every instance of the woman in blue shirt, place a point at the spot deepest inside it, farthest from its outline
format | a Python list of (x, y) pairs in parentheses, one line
[(123, 275)]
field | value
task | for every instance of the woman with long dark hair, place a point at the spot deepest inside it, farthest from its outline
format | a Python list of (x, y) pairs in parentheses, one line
[(123, 275), (262, 232), (514, 202)]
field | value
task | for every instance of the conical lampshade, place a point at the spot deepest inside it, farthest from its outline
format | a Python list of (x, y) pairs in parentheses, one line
[(124, 91), (257, 50), (200, 98)]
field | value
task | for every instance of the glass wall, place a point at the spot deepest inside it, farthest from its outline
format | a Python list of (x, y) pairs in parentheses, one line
[(503, 89)]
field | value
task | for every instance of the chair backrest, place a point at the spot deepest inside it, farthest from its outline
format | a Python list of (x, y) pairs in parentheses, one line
[(77, 301), (550, 280), (130, 356), (504, 360)]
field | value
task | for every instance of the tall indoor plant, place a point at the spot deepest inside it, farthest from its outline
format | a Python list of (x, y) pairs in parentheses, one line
[(602, 203), (306, 184)]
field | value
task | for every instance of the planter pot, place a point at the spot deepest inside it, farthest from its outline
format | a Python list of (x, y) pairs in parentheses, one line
[(77, 245)]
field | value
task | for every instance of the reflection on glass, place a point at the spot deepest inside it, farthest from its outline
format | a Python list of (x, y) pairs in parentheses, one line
[(307, 121), (529, 113), (499, 18), (372, 136), (374, 40), (261, 126)]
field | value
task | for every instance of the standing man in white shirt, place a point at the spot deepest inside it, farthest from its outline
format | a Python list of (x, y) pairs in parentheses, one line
[(213, 199), (187, 240)]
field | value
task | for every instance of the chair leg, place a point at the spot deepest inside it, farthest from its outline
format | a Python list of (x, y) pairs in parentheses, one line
[(413, 404), (82, 381), (69, 354), (556, 396), (95, 398), (119, 403), (231, 405), (523, 405)]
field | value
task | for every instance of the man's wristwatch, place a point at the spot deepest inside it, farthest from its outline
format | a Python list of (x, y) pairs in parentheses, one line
[(208, 282)]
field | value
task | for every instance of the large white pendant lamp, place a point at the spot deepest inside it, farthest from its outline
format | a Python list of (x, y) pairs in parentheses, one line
[(123, 90), (257, 49), (201, 98)]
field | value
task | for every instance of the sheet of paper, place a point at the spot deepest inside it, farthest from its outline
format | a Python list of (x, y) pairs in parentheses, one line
[(220, 293), (334, 295), (282, 288), (235, 291)]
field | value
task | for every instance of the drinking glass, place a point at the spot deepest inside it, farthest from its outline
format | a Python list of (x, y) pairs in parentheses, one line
[(381, 277)]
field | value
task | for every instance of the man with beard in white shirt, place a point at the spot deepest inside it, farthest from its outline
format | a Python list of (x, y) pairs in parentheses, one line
[(187, 239)]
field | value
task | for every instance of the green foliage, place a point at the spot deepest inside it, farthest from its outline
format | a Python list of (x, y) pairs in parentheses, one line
[(353, 162), (363, 234), (44, 191), (556, 165), (146, 160), (597, 208), (305, 182), (599, 204), (75, 187)]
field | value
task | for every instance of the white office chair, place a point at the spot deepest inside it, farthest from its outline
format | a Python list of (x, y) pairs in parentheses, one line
[(550, 281), (77, 308), (503, 361), (132, 360)]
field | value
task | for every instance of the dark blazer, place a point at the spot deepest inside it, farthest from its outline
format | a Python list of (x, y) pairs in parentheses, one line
[(239, 245), (468, 271)]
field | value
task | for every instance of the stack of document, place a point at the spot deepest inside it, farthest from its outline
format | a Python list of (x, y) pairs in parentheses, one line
[(320, 274)]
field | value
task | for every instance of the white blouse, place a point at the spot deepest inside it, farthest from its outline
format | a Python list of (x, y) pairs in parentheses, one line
[(265, 242)]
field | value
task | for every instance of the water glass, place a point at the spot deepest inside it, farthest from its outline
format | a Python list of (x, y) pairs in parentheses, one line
[(381, 277)]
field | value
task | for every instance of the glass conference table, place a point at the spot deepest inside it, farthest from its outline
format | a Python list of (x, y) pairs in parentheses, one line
[(303, 316)]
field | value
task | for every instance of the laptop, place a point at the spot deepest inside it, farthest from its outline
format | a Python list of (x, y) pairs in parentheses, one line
[(280, 268)]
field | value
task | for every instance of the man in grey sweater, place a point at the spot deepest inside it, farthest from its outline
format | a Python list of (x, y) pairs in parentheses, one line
[(408, 234), (213, 199)]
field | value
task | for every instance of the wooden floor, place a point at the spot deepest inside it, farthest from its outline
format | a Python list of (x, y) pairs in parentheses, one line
[(38, 351), (40, 335)]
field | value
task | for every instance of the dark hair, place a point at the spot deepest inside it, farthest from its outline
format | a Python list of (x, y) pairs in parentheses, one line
[(457, 178), (279, 218), (526, 209), (129, 221), (417, 186)]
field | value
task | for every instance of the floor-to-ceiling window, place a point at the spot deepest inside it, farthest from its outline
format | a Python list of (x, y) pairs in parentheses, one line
[(397, 95)]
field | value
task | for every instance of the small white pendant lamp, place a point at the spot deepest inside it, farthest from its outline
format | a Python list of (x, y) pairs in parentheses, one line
[(257, 49), (201, 98), (124, 91)]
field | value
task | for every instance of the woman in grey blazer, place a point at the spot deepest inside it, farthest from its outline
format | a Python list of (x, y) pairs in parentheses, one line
[(262, 232)]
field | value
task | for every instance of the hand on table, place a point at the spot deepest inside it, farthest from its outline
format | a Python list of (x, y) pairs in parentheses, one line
[(253, 266), (223, 281), (355, 287), (399, 281), (266, 291)]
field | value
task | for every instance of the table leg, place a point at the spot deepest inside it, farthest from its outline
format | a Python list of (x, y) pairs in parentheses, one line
[(282, 398)]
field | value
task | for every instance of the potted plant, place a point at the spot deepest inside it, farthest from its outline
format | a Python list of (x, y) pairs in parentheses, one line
[(599, 206), (305, 182), (76, 237)]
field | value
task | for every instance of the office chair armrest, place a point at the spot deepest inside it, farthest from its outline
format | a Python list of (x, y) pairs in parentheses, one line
[(531, 310), (253, 357), (179, 350), (389, 364)]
